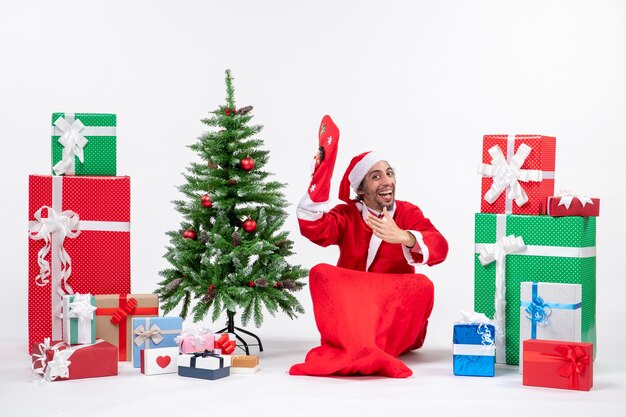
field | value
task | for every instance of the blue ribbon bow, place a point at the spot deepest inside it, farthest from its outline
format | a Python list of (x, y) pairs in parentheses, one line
[(538, 310)]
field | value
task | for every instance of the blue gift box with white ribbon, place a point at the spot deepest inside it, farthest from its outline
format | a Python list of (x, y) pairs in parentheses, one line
[(550, 311), (154, 332), (474, 351)]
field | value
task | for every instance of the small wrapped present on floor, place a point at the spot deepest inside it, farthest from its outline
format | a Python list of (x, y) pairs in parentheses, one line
[(550, 311), (58, 361), (558, 364), (244, 364), (570, 203), (205, 365), (225, 343), (159, 361), (474, 346), (79, 319), (154, 332), (195, 340), (84, 144)]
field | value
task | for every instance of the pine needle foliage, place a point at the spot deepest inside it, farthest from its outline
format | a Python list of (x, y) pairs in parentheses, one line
[(215, 264)]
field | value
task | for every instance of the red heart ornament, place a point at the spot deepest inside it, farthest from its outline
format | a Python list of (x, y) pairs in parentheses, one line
[(163, 361)]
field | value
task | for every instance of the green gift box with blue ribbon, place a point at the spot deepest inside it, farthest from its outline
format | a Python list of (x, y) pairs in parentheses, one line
[(84, 144), (510, 249), (550, 311)]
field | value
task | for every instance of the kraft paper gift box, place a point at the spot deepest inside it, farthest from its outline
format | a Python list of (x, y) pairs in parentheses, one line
[(159, 361), (58, 361), (84, 144), (79, 319), (550, 312), (154, 332), (195, 340), (568, 204), (558, 364), (511, 249), (204, 365), (114, 318), (79, 243), (518, 173), (474, 349), (243, 364)]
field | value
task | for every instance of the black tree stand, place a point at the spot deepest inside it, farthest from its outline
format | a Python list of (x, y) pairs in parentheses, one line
[(230, 328)]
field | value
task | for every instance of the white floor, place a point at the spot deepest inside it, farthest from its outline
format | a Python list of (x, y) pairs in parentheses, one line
[(432, 390)]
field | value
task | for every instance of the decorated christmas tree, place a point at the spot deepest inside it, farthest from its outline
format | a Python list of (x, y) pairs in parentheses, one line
[(230, 254)]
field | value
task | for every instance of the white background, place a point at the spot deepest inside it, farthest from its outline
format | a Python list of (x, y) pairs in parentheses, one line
[(421, 81)]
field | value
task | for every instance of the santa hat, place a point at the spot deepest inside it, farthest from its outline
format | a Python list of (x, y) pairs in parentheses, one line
[(358, 168)]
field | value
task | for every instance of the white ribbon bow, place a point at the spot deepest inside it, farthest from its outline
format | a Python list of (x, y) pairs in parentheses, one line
[(73, 143), (154, 334), (81, 308), (62, 225), (58, 367), (504, 246), (568, 195), (507, 174)]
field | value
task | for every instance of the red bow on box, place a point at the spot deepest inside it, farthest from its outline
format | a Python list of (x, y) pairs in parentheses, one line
[(225, 343), (123, 312), (576, 360)]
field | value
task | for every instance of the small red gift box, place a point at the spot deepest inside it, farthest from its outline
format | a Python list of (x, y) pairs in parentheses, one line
[(79, 242), (566, 204), (58, 361), (518, 173), (558, 364)]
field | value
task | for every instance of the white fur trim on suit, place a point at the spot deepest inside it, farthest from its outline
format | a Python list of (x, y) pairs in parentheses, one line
[(419, 240), (310, 210)]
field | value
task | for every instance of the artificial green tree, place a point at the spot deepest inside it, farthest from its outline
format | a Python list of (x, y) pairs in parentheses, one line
[(230, 252)]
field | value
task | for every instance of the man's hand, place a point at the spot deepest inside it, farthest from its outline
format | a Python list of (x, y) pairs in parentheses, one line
[(387, 230)]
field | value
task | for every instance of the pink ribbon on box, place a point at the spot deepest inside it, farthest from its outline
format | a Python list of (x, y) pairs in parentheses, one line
[(53, 230)]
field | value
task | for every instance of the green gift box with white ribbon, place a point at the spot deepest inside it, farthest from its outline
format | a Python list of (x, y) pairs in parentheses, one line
[(79, 319), (510, 249), (84, 144)]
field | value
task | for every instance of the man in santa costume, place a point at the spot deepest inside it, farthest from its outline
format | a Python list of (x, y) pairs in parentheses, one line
[(366, 316)]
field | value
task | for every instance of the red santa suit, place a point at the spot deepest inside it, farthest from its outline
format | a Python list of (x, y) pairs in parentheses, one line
[(365, 315)]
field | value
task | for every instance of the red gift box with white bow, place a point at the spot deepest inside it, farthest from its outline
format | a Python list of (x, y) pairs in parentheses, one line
[(79, 243), (518, 173), (58, 361), (558, 364), (572, 204)]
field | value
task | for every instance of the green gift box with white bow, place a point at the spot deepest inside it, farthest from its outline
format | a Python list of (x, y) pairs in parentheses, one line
[(84, 144), (79, 319), (510, 249)]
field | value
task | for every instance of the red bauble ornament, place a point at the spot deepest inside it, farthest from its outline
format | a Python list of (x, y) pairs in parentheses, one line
[(251, 284), (232, 182), (190, 234), (211, 287), (206, 201), (278, 285), (249, 225), (247, 164)]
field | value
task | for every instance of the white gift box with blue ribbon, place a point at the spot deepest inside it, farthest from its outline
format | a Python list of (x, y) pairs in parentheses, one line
[(474, 349), (550, 311)]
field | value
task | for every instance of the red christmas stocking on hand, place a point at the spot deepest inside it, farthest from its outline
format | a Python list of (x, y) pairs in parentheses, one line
[(324, 161)]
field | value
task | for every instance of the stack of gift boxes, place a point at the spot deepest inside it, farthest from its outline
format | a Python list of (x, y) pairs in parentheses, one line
[(534, 266), (82, 318)]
